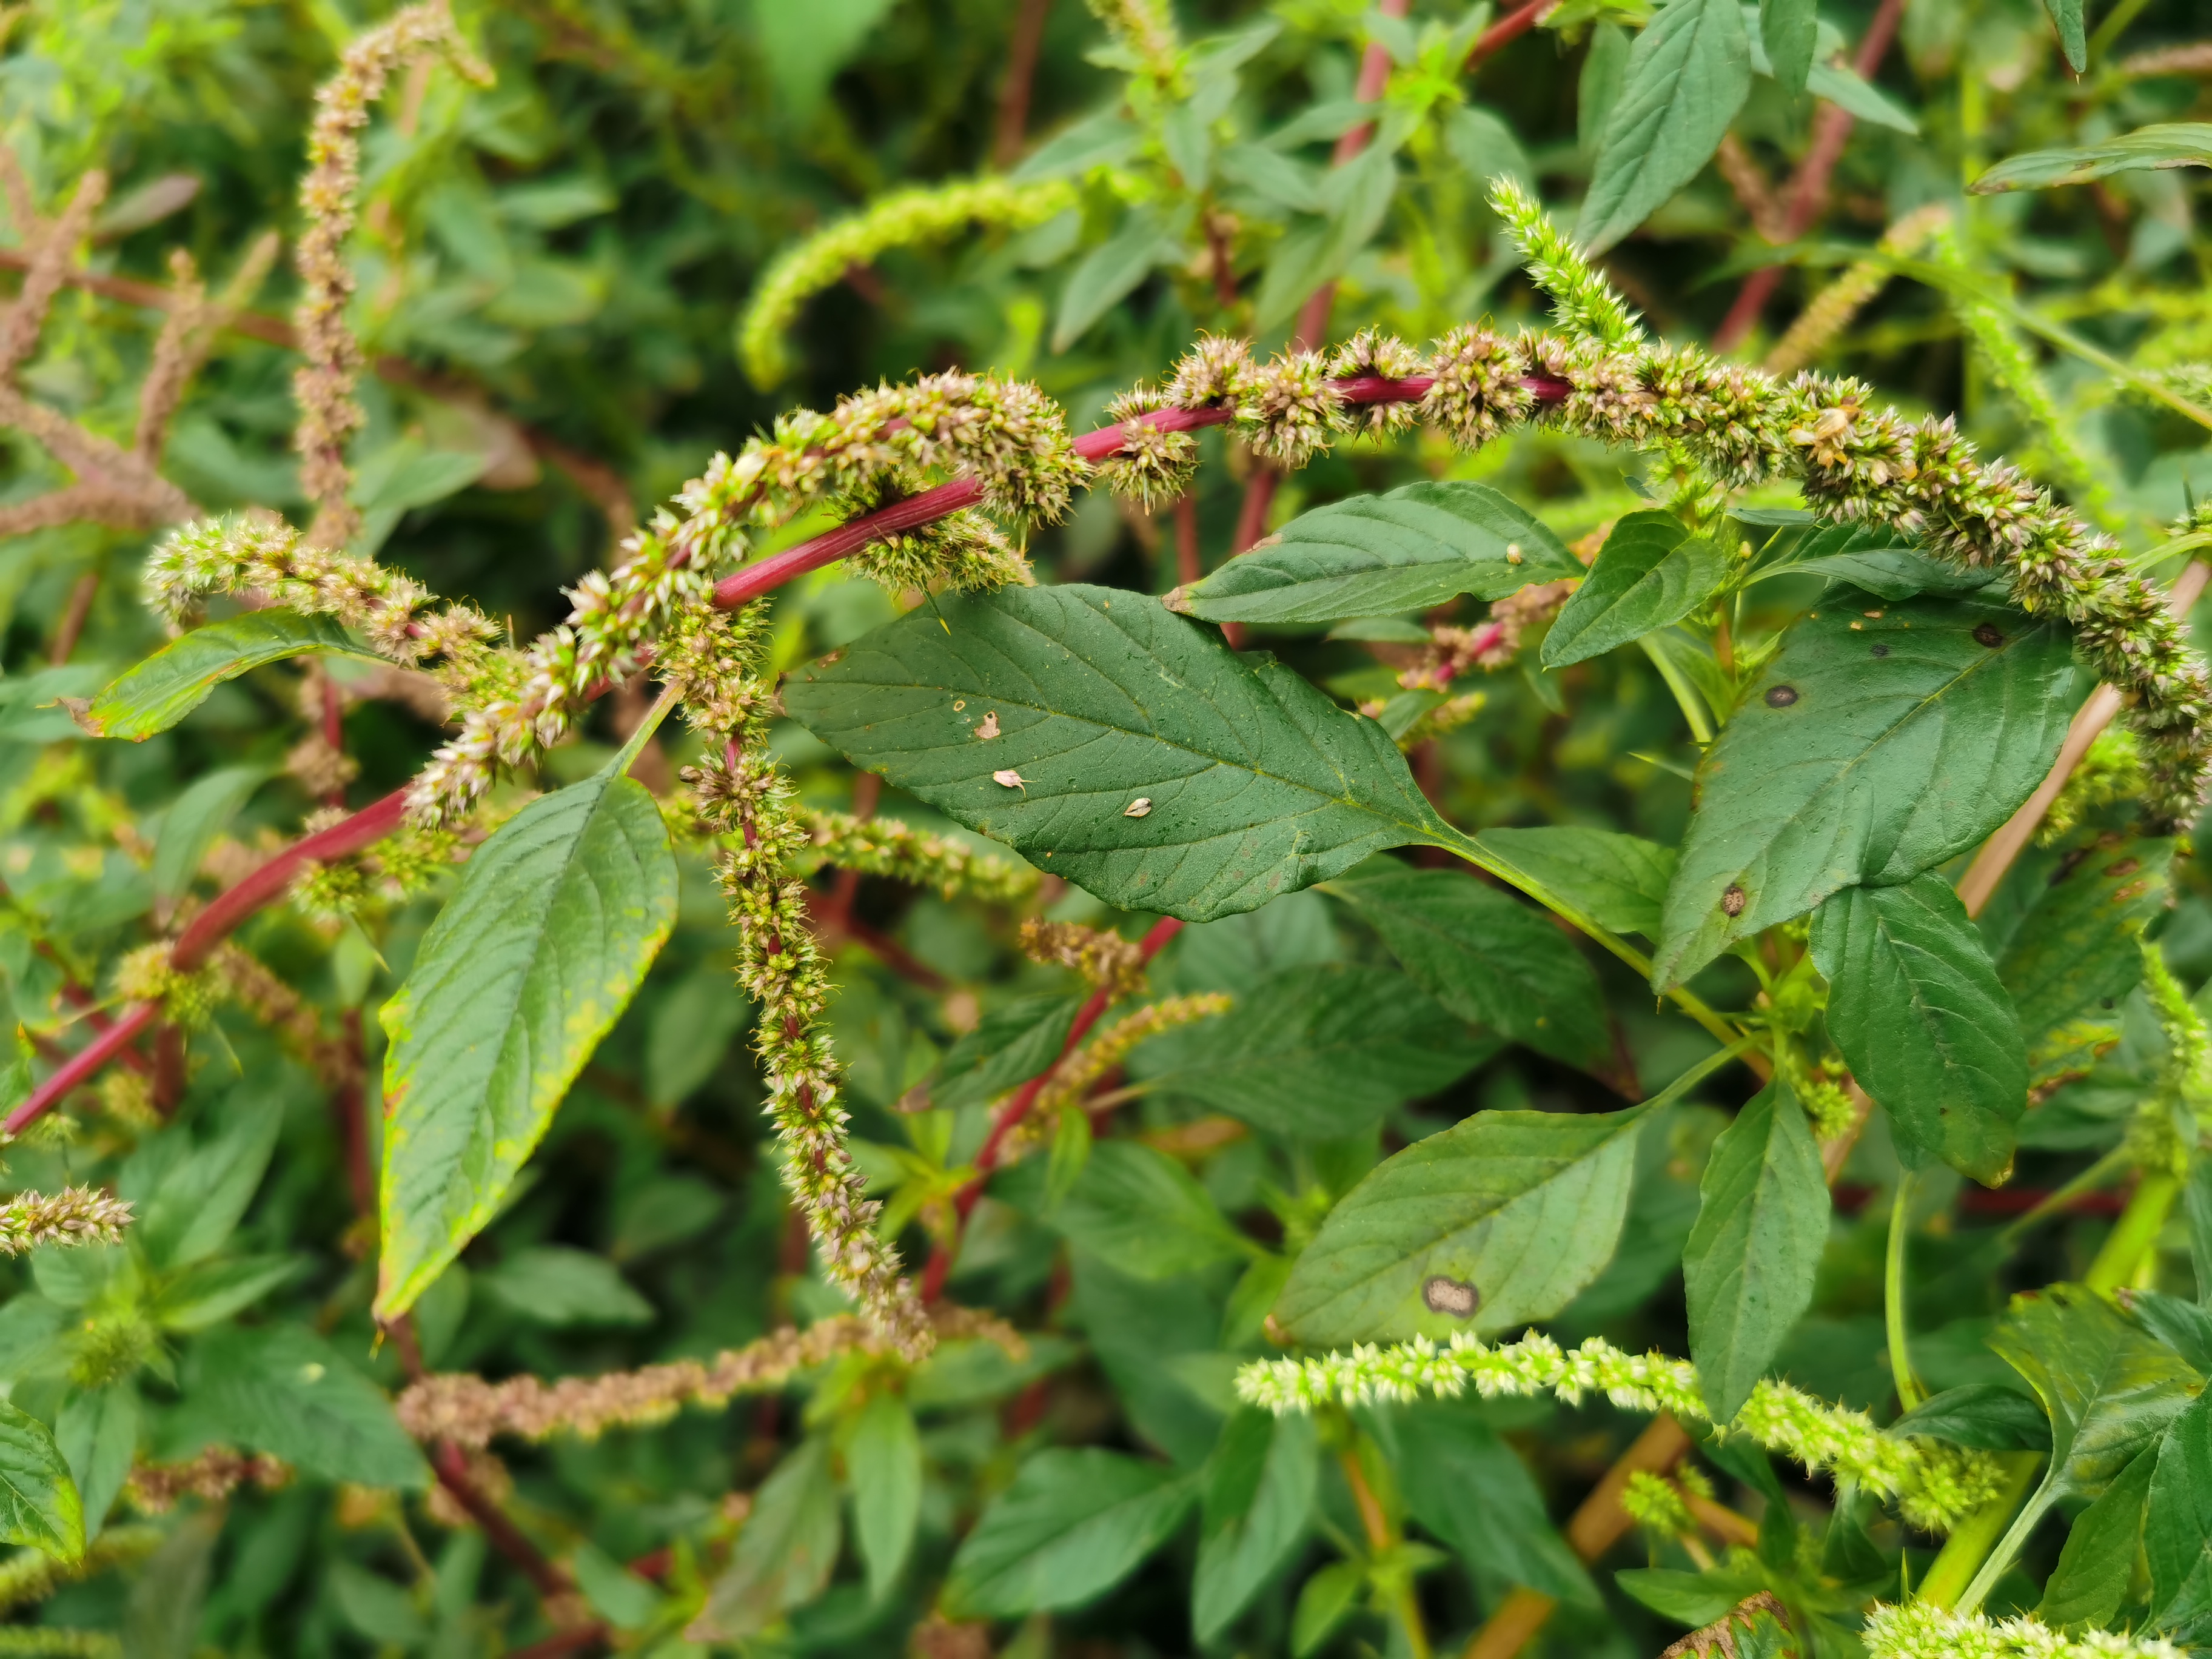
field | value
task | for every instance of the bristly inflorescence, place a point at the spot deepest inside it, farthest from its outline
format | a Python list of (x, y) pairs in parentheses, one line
[(1935, 1484), (886, 847), (75, 1215), (329, 415), (904, 218), (469, 1411), (746, 804), (1919, 1629)]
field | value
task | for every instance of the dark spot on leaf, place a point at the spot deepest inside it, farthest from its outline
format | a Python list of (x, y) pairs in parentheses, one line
[(1987, 634), (1732, 901), (2125, 868), (1881, 650), (1454, 1297), (1782, 696), (2106, 1003)]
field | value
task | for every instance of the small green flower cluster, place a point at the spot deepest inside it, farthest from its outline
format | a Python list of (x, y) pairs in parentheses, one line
[(748, 806), (1918, 1630), (903, 219), (1935, 1484), (885, 847)]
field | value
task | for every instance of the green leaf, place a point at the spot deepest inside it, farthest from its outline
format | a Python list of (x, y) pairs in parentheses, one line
[(558, 1285), (1651, 572), (1140, 1210), (1470, 1489), (1915, 1008), (98, 1434), (282, 1390), (804, 46), (1984, 1414), (200, 1201), (194, 819), (1009, 1046), (1258, 783), (554, 921), (785, 1555), (1260, 1487), (1073, 1525), (1485, 1227), (2066, 18), (2177, 1534), (2073, 916), (213, 1290), (1788, 29), (1844, 88), (1880, 741), (882, 1467), (1497, 1221), (38, 1504), (1619, 882), (2089, 1585), (1688, 74), (176, 680), (2175, 144), (1381, 556), (2108, 1387), (1319, 1052), (1109, 272), (1749, 1265), (1689, 1598), (1489, 959), (1323, 1601)]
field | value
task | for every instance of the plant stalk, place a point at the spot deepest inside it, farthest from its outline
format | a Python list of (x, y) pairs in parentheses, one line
[(1909, 1391), (1969, 1544), (2134, 1234)]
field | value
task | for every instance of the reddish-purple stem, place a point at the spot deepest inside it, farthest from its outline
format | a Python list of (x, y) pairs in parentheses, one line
[(80, 1067)]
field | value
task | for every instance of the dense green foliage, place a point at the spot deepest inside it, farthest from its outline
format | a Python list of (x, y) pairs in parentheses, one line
[(1511, 1068)]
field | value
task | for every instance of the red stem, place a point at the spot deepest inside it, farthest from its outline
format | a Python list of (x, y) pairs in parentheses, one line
[(452, 1469), (1809, 187), (1511, 27), (80, 1067), (1011, 1113), (945, 498), (365, 828)]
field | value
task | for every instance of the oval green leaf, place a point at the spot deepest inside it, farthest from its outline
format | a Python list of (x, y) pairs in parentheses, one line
[(39, 1503), (1142, 759), (1916, 1007), (284, 1390), (1073, 1525), (176, 680), (1383, 556), (1688, 74), (2167, 144), (1651, 573), (556, 918), (1749, 1265), (1882, 739)]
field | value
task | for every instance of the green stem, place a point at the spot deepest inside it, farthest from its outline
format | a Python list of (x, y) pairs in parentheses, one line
[(1483, 858), (1909, 1393), (634, 745), (1969, 1545), (2108, 31), (2088, 1182), (1685, 694), (2134, 1234)]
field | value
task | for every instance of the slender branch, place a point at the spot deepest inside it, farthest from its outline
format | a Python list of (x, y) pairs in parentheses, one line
[(269, 883), (1808, 185), (743, 586), (452, 1465), (1010, 1116), (1511, 27), (1022, 46), (81, 1067), (1382, 1536), (73, 617)]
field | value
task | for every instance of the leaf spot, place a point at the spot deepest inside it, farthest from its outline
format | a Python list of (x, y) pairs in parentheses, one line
[(1781, 696), (1881, 648), (988, 726), (1454, 1297), (1987, 634), (1732, 901)]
